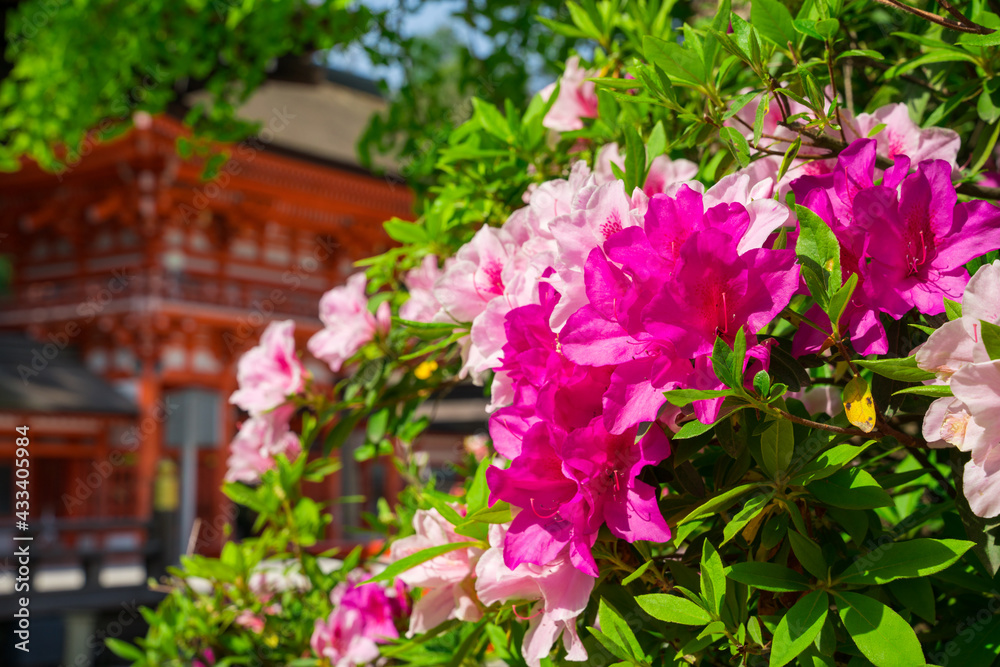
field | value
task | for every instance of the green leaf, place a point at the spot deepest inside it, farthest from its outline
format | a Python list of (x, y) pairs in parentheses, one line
[(916, 595), (758, 123), (682, 397), (377, 424), (242, 494), (807, 27), (673, 609), (739, 102), (988, 110), (124, 650), (809, 554), (498, 513), (713, 577), (615, 628), (851, 489), (411, 561), (637, 573), (991, 339), (405, 232), (861, 53), (768, 577), (656, 144), (880, 633), (718, 503), (819, 254), (827, 27), (777, 442), (829, 462), (479, 493), (773, 20), (736, 143), (905, 560), (839, 301), (799, 627), (789, 157), (904, 369), (751, 509), (970, 39), (953, 309), (722, 364), (635, 160), (680, 64), (935, 390), (492, 120)]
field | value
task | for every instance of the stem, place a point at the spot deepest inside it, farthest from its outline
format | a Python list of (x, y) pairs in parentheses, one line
[(833, 85)]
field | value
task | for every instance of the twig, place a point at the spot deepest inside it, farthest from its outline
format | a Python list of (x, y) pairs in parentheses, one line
[(961, 25)]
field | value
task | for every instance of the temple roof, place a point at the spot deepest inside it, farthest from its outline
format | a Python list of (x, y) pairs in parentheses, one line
[(62, 384), (322, 119)]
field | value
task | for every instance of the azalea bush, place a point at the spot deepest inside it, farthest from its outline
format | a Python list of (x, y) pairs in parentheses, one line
[(731, 287)]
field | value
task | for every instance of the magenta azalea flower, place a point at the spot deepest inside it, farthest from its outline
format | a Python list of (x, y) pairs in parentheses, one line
[(568, 484), (663, 293), (907, 240), (270, 372)]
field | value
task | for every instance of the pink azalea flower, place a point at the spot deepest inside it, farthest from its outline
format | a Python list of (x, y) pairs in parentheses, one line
[(977, 386), (258, 441), (901, 136), (247, 619), (269, 372), (422, 306), (562, 592), (445, 579), (577, 99), (663, 172), (475, 277), (957, 355), (348, 325)]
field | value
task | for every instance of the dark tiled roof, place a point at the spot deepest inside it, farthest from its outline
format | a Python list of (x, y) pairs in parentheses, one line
[(62, 384)]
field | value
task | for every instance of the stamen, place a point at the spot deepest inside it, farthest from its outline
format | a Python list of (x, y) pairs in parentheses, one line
[(526, 618), (975, 332), (531, 501)]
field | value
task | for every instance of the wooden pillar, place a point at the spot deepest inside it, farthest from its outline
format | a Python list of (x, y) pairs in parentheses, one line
[(152, 415)]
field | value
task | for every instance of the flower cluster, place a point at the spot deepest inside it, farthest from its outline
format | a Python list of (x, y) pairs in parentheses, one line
[(958, 355), (459, 583), (588, 303), (906, 239), (268, 375)]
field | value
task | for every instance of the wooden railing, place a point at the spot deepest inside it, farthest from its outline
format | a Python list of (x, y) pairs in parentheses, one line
[(85, 544)]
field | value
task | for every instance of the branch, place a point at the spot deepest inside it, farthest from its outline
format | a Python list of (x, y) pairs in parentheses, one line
[(962, 24)]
